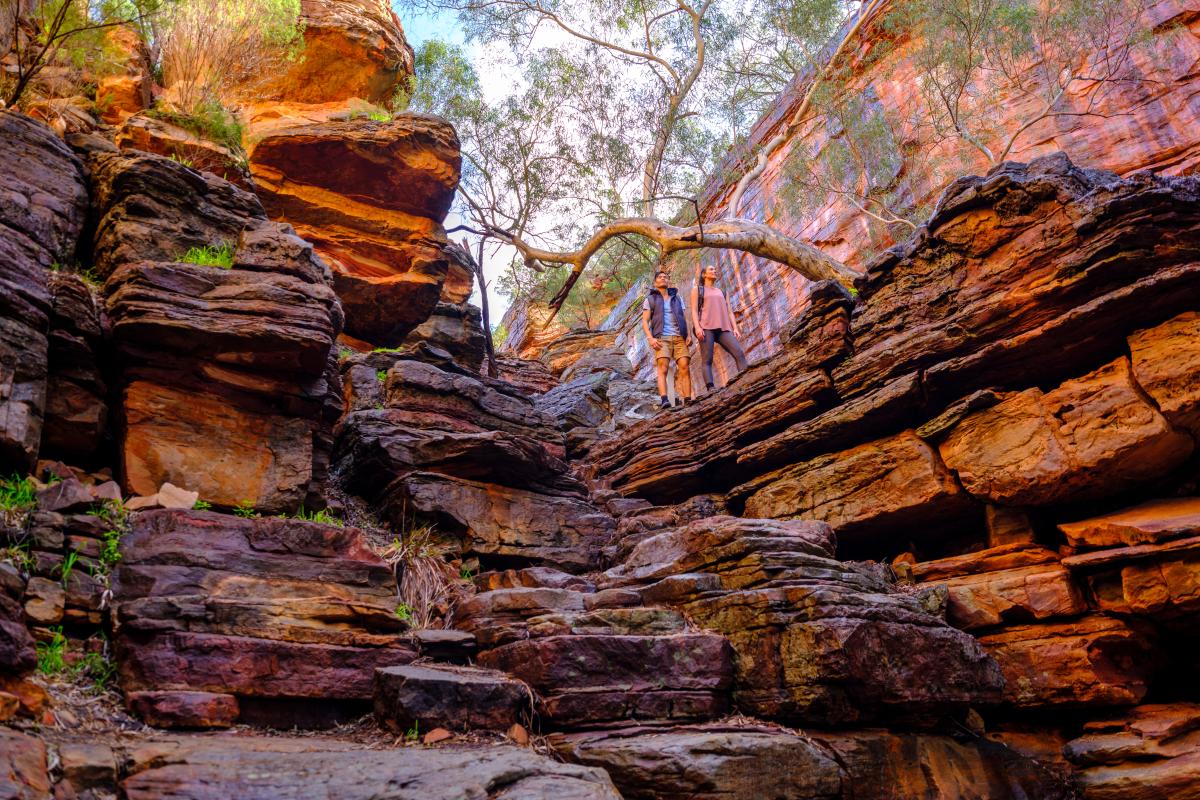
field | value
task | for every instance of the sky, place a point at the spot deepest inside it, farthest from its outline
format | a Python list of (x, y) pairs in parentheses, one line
[(419, 29)]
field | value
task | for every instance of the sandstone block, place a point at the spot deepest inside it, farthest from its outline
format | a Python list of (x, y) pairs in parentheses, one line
[(1166, 363), (1091, 436), (590, 679), (457, 698), (1093, 661), (891, 484), (1155, 521), (379, 228), (184, 709)]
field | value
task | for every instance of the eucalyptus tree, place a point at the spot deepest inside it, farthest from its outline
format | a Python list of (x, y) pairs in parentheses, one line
[(624, 106)]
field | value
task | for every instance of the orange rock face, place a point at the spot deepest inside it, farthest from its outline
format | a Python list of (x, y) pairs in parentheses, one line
[(1091, 435), (352, 48), (156, 136), (376, 218)]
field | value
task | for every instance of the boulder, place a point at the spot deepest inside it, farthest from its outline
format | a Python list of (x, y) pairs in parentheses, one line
[(817, 640), (153, 135), (455, 328), (17, 650), (470, 453), (716, 761), (227, 368), (184, 709), (24, 771), (43, 201), (150, 208), (1149, 523), (1166, 360), (378, 227), (455, 698), (709, 762), (1006, 584), (352, 49)]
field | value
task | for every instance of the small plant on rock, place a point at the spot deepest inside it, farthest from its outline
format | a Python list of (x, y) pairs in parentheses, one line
[(245, 510), (323, 516), (413, 733), (201, 505), (51, 655), (404, 613), (19, 556), (381, 375), (17, 494), (96, 667), (210, 256), (68, 566)]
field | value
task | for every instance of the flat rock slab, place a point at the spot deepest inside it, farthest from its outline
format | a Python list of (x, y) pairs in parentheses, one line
[(1149, 752), (1147, 523), (708, 763), (251, 768), (721, 762), (456, 698)]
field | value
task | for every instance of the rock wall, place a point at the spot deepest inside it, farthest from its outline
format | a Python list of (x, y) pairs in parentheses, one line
[(1147, 126), (1009, 414)]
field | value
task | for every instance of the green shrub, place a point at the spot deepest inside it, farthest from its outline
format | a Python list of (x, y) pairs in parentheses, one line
[(67, 566), (50, 655), (99, 669), (323, 516), (201, 505), (245, 510), (211, 121), (17, 493), (210, 257), (381, 375)]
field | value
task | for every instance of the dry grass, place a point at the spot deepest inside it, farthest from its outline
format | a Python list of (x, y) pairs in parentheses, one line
[(427, 583)]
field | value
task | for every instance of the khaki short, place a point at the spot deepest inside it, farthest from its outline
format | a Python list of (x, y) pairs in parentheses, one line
[(672, 348)]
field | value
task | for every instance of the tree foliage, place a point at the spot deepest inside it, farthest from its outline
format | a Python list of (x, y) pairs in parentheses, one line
[(623, 109), (209, 45), (65, 32)]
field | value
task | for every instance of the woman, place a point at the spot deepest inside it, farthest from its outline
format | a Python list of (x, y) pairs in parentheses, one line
[(713, 323)]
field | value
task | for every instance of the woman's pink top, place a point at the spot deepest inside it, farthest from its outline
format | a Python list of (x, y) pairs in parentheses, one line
[(715, 313)]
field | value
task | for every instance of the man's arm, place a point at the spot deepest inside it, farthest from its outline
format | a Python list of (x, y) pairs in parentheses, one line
[(646, 328)]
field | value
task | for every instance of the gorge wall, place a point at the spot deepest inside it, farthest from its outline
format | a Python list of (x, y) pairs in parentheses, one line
[(1145, 125)]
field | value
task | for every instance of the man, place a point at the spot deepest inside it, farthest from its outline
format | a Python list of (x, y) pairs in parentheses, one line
[(665, 325)]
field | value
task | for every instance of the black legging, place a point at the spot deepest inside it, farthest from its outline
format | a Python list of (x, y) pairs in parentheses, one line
[(729, 344)]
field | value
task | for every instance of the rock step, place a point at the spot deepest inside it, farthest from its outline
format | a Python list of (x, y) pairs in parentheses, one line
[(432, 696), (714, 762), (594, 679), (221, 619), (208, 767)]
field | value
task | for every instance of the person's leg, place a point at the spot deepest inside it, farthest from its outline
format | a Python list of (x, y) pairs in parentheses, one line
[(683, 379), (706, 357), (662, 365), (731, 345)]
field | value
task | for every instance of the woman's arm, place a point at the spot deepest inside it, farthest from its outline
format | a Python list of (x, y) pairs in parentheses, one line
[(695, 314)]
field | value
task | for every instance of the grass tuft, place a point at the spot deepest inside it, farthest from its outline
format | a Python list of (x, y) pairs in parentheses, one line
[(210, 256)]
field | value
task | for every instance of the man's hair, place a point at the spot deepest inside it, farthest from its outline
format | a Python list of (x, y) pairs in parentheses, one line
[(662, 272)]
